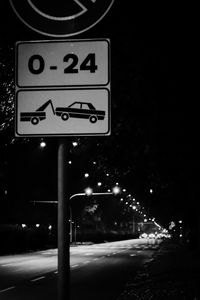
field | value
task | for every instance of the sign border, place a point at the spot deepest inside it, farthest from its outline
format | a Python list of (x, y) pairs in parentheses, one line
[(62, 41), (63, 134)]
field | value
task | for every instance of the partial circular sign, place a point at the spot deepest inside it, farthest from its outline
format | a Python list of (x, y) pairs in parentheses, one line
[(60, 18)]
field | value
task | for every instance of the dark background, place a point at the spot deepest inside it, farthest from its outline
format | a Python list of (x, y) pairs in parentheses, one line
[(154, 140)]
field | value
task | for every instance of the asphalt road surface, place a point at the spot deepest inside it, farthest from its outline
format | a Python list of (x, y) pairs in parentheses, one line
[(98, 271)]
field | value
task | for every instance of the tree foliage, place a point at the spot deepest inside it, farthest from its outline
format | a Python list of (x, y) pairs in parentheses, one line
[(6, 92)]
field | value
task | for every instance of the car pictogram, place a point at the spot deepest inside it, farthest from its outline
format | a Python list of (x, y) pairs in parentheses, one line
[(80, 110)]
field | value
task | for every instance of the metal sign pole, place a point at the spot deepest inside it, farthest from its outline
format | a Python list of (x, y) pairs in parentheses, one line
[(63, 225)]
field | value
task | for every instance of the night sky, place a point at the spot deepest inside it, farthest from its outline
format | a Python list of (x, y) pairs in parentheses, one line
[(154, 136)]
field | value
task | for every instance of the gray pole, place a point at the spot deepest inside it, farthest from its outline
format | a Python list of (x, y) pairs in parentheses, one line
[(71, 225), (63, 226)]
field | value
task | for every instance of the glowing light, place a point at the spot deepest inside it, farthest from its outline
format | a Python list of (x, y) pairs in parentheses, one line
[(75, 144), (23, 225), (42, 144), (99, 183), (116, 190), (86, 175), (37, 225), (88, 191)]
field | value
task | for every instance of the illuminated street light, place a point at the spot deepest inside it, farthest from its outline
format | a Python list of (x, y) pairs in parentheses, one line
[(116, 190), (88, 191), (86, 175), (75, 144), (42, 144)]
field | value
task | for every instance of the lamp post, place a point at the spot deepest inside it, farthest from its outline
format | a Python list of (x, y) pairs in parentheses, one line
[(89, 192)]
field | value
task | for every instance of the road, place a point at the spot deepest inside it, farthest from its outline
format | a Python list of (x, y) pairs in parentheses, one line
[(98, 271)]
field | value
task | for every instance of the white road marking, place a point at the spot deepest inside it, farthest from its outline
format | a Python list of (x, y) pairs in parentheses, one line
[(74, 266), (38, 278), (8, 289), (86, 262)]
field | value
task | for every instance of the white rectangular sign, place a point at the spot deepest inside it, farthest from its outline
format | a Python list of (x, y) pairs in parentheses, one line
[(63, 63), (63, 112)]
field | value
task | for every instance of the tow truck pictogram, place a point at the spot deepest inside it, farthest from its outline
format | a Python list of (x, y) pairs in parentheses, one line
[(36, 116), (78, 110)]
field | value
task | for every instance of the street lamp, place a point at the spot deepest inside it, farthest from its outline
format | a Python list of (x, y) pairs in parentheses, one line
[(88, 191), (42, 144), (75, 144), (116, 190)]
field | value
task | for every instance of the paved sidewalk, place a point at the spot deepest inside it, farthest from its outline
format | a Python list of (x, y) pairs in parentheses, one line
[(172, 274)]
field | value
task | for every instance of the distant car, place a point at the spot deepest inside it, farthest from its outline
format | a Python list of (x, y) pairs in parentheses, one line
[(143, 236), (80, 110)]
